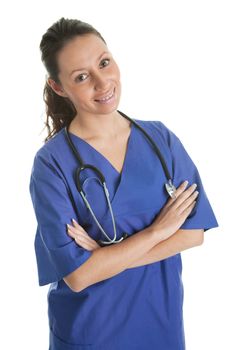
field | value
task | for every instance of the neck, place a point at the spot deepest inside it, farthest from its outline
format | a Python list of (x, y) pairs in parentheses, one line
[(105, 126)]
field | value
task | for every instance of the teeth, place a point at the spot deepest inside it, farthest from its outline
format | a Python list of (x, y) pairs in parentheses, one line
[(107, 97)]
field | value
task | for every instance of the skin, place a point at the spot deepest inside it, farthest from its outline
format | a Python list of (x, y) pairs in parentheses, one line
[(96, 75), (100, 75), (169, 245), (160, 240)]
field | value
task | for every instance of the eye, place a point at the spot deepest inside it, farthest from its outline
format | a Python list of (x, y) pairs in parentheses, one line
[(80, 78), (105, 60)]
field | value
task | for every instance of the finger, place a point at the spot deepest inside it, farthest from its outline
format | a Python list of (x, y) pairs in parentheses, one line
[(80, 240), (177, 193), (82, 244), (187, 202), (77, 230), (74, 233), (183, 196), (189, 209), (83, 240), (71, 233), (95, 245), (77, 233), (77, 225)]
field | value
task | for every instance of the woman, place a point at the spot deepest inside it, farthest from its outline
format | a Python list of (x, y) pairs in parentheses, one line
[(104, 295)]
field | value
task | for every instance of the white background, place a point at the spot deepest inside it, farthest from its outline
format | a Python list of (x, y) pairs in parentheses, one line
[(180, 63)]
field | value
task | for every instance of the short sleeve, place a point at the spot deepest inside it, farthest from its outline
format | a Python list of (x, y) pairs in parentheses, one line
[(57, 254), (202, 216)]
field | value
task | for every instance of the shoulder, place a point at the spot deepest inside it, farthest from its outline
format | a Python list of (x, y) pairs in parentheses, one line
[(52, 147), (160, 130), (50, 152)]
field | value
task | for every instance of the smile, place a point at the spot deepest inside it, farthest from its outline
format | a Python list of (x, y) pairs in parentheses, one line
[(107, 98)]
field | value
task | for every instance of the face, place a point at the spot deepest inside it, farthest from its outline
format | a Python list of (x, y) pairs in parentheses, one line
[(89, 76)]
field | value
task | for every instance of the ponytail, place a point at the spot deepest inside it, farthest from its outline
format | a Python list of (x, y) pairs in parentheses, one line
[(60, 111)]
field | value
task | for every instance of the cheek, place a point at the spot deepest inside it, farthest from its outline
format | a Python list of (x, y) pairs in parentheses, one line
[(116, 71), (81, 92), (78, 96)]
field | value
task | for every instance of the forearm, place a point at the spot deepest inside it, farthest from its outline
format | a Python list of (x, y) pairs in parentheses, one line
[(180, 241), (110, 260)]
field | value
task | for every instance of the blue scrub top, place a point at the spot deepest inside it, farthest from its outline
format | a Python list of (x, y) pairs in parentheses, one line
[(140, 308)]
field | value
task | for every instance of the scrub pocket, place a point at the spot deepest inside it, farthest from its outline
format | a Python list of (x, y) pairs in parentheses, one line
[(57, 344)]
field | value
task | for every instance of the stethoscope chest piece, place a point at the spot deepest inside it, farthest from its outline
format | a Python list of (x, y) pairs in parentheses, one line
[(171, 189)]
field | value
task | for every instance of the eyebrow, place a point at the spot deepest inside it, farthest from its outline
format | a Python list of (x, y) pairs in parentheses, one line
[(78, 69)]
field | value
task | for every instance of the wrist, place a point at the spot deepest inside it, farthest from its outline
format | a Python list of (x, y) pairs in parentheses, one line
[(157, 235)]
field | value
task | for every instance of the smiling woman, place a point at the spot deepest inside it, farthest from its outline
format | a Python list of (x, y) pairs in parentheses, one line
[(85, 90), (120, 296), (94, 89)]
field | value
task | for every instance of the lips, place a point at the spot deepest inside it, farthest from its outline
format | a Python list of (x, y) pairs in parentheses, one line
[(106, 97)]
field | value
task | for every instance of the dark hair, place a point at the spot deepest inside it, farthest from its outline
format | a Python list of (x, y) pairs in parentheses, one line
[(60, 110)]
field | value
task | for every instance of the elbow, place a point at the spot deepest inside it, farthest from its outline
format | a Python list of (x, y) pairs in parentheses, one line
[(73, 283), (197, 238), (199, 241), (193, 238), (79, 279), (75, 288)]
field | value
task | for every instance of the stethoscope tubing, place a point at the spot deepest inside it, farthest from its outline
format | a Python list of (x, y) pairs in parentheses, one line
[(169, 185), (80, 160)]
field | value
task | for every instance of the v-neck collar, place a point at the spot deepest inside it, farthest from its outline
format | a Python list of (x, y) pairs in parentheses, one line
[(103, 157)]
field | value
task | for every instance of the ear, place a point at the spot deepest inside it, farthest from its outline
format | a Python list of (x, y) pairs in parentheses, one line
[(56, 87)]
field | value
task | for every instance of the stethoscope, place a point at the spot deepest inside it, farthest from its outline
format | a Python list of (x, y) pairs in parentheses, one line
[(170, 188)]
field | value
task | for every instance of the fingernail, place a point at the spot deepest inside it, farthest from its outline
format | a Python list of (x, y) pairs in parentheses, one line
[(74, 220), (185, 183)]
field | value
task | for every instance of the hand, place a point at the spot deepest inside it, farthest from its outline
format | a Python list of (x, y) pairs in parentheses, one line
[(175, 212), (81, 237)]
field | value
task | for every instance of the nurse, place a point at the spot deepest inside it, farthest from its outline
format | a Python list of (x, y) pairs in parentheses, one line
[(126, 295)]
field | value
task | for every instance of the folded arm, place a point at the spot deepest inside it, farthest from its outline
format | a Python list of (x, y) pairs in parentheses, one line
[(111, 260), (181, 240), (144, 247), (139, 249)]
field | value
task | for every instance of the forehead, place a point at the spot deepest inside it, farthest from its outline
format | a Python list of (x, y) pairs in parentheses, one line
[(80, 52)]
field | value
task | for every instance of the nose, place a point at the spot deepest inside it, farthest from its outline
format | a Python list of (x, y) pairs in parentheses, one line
[(101, 82)]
